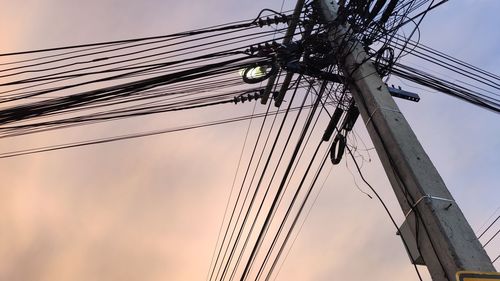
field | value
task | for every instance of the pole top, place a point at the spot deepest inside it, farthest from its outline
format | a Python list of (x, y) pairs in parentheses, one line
[(330, 8)]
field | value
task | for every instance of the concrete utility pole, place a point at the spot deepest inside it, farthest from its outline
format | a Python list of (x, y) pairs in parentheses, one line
[(443, 236)]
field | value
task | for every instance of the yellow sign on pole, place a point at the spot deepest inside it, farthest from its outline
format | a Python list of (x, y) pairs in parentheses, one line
[(477, 276)]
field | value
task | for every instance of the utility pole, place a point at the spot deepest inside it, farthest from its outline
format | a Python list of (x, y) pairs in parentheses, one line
[(444, 238), (292, 25)]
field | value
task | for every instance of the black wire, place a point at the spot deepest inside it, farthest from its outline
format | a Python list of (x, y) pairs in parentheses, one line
[(292, 129), (268, 255), (491, 239), (495, 259), (237, 199), (450, 88), (414, 29), (453, 68), (51, 76), (243, 204), (291, 174), (280, 188), (488, 228), (229, 198), (138, 135), (442, 55), (299, 212), (130, 75), (248, 209), (384, 205), (289, 209), (222, 27), (44, 107), (94, 117), (252, 200)]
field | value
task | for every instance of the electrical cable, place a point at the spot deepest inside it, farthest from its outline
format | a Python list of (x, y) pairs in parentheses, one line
[(231, 191), (488, 228), (257, 187), (280, 188), (223, 27), (237, 199), (301, 226), (248, 209), (285, 190), (491, 239), (495, 259), (383, 205), (226, 267), (138, 135), (292, 129)]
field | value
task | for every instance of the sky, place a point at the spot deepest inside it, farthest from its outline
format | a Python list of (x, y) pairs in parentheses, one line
[(150, 208)]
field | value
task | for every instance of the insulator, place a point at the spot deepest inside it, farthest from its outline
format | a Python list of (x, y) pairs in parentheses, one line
[(270, 21), (249, 97)]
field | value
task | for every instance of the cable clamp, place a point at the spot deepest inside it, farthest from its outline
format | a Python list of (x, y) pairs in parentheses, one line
[(430, 197), (384, 108)]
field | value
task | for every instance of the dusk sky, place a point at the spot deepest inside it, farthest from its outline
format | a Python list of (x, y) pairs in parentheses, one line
[(150, 208)]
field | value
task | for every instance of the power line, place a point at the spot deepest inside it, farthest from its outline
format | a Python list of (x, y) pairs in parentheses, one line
[(230, 195), (137, 135), (491, 239), (488, 228), (496, 259), (259, 183), (383, 205)]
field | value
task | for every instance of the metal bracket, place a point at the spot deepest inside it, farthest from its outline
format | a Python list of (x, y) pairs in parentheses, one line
[(430, 197)]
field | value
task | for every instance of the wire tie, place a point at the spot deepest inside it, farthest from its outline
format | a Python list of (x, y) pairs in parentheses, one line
[(370, 118), (430, 197), (384, 108)]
